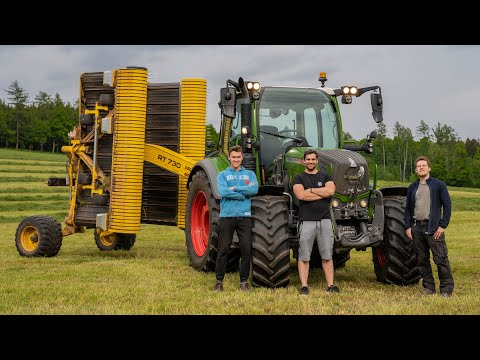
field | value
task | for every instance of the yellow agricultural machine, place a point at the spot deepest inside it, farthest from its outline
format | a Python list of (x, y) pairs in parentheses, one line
[(133, 140)]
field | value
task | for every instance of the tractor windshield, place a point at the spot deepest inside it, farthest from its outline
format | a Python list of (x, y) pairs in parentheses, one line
[(285, 113)]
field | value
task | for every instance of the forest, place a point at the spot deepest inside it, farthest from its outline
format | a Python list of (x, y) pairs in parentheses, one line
[(42, 124)]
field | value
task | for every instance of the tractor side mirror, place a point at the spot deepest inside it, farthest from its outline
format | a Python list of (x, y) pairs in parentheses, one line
[(227, 101), (377, 107)]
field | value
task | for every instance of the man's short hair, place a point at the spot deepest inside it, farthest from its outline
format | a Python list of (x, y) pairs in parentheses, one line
[(310, 151), (424, 158), (236, 148)]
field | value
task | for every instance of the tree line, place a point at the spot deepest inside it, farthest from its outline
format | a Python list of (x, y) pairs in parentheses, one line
[(39, 124), (453, 160), (44, 122)]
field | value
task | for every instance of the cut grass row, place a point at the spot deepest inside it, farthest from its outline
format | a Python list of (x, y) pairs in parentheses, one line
[(23, 191), (28, 178), (27, 155)]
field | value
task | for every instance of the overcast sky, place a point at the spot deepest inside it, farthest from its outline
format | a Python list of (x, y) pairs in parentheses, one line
[(433, 83)]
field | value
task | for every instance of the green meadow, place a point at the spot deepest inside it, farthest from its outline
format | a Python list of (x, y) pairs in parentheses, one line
[(155, 277)]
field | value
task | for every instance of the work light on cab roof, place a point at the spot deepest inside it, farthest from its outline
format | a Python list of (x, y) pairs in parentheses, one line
[(254, 88)]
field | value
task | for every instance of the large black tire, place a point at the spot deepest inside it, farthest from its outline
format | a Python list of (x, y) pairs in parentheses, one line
[(395, 261), (115, 241), (201, 226), (315, 258), (38, 236), (339, 259), (270, 242)]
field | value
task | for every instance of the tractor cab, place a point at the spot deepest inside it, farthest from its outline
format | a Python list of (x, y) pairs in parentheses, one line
[(284, 118), (274, 123)]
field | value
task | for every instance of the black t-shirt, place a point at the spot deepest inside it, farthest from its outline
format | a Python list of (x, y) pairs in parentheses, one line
[(317, 209)]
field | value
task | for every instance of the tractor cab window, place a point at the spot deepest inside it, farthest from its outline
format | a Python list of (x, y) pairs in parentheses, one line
[(287, 115)]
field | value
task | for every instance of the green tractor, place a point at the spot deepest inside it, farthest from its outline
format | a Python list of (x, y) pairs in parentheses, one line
[(275, 125)]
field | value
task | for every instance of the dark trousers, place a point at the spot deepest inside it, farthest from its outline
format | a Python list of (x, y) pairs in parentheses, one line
[(424, 243), (227, 226)]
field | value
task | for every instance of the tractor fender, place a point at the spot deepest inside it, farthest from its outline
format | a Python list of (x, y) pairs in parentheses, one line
[(207, 166)]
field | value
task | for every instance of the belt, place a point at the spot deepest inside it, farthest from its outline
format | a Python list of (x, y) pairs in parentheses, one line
[(420, 222)]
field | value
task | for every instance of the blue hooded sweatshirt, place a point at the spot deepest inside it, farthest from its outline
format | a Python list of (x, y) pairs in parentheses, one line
[(236, 202)]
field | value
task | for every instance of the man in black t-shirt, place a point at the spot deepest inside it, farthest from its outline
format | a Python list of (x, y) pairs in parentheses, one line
[(314, 188)]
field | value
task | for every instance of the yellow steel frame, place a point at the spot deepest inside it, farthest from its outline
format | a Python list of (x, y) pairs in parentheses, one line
[(168, 159)]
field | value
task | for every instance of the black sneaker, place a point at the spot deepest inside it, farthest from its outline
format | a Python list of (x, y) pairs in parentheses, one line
[(218, 286), (304, 290), (244, 286), (333, 289), (427, 291), (446, 295)]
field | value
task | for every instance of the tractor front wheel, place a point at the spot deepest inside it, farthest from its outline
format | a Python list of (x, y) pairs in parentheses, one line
[(270, 242), (395, 260)]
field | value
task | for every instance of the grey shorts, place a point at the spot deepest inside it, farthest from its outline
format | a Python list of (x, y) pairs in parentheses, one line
[(322, 231)]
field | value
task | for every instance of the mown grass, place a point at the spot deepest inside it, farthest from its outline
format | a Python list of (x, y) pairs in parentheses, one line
[(154, 277)]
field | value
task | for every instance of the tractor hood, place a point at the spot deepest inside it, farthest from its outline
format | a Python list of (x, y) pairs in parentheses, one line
[(349, 170)]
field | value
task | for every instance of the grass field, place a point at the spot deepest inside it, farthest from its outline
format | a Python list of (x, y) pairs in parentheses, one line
[(155, 277)]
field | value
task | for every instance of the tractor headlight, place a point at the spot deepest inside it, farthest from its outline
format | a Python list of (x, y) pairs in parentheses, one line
[(349, 90), (335, 203), (363, 203), (253, 85)]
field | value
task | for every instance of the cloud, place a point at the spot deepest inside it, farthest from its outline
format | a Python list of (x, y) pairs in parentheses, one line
[(430, 83)]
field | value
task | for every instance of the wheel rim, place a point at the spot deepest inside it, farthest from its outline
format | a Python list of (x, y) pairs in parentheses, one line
[(380, 255), (108, 240), (29, 238), (200, 223)]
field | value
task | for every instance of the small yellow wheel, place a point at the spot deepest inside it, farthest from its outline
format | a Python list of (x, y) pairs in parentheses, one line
[(38, 236), (114, 241)]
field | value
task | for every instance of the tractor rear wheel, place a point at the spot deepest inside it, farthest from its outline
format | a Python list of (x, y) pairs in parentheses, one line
[(201, 226), (395, 260), (115, 241), (38, 236), (270, 242), (339, 259)]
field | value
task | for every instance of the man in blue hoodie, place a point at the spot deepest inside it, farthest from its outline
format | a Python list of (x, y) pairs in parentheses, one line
[(236, 185), (427, 214)]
